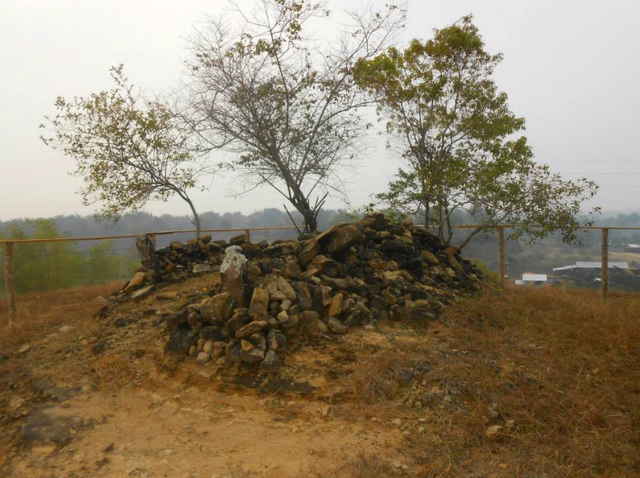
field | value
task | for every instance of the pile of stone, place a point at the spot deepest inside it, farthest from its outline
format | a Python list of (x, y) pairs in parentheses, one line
[(263, 296)]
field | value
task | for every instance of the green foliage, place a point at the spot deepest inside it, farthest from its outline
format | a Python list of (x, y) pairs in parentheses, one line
[(102, 263), (486, 270), (454, 129), (128, 150)]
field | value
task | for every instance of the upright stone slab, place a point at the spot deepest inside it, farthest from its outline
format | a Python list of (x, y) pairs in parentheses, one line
[(147, 250), (233, 271)]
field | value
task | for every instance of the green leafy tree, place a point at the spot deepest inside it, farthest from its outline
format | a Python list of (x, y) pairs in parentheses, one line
[(455, 131), (283, 102), (102, 264), (127, 149)]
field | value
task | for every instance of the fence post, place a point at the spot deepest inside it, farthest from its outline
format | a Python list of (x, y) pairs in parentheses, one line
[(8, 277), (502, 254), (248, 233), (604, 277), (153, 240)]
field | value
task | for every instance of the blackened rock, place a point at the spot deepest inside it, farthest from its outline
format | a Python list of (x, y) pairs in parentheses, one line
[(181, 340), (99, 348), (212, 333), (276, 263), (51, 424), (309, 250), (251, 328), (240, 319), (336, 326), (121, 322), (276, 340), (308, 317), (178, 318), (414, 267), (286, 248), (343, 238), (303, 296), (271, 362), (246, 355), (396, 246), (292, 270), (237, 240)]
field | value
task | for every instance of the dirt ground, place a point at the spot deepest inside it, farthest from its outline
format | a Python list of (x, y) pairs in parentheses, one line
[(494, 388), (106, 402)]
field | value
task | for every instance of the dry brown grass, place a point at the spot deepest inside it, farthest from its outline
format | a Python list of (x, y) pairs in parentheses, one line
[(562, 365), (38, 312), (374, 379)]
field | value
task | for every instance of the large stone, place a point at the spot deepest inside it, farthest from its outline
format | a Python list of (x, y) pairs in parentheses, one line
[(51, 424), (181, 339), (217, 309), (303, 296), (233, 271), (343, 238), (136, 281), (258, 312), (292, 270), (397, 247), (244, 351), (308, 317), (286, 288), (203, 358), (239, 239), (208, 346), (335, 308), (287, 248), (276, 340), (260, 297), (336, 326), (291, 321), (141, 293), (246, 346), (201, 268), (251, 328), (315, 328), (271, 362), (211, 333), (239, 319), (308, 251)]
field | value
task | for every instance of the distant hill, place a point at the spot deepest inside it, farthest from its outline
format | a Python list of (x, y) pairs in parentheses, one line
[(141, 222)]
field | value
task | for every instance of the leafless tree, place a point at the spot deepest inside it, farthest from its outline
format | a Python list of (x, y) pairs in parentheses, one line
[(284, 103)]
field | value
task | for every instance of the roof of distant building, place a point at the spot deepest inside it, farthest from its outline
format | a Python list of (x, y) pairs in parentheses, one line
[(534, 277), (592, 265)]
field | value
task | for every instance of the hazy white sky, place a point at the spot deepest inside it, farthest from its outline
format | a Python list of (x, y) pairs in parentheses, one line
[(571, 68)]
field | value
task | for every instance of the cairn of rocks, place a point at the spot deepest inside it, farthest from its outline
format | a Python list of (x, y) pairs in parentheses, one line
[(353, 274)]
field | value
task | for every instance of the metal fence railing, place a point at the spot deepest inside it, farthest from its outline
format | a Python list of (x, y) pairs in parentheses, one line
[(11, 245)]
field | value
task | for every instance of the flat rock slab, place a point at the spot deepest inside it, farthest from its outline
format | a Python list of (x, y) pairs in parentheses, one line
[(142, 293), (51, 424)]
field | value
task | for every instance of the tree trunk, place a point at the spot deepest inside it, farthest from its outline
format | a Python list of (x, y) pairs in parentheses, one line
[(470, 236), (309, 214), (440, 223), (311, 222), (426, 215), (195, 217)]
